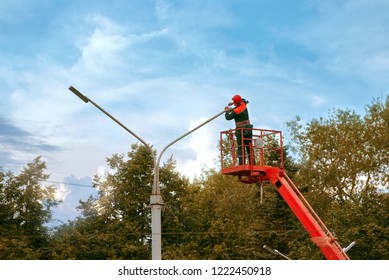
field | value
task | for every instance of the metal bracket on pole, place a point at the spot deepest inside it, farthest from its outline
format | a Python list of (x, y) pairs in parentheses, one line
[(156, 199)]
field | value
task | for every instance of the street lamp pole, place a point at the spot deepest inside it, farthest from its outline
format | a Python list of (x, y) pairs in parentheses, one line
[(156, 201)]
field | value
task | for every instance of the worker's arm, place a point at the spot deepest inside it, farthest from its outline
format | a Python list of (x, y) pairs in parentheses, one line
[(230, 114)]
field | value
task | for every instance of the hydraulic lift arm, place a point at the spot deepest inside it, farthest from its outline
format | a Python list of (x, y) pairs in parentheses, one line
[(319, 233)]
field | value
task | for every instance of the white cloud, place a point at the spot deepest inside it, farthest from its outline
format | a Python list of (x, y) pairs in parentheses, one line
[(62, 192), (99, 50), (203, 142)]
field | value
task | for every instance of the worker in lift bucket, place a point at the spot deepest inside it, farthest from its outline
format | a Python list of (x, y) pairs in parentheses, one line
[(240, 114)]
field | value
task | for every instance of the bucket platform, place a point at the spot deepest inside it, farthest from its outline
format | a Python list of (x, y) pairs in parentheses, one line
[(257, 155)]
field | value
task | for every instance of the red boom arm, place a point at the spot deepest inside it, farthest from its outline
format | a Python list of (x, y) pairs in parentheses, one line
[(319, 233)]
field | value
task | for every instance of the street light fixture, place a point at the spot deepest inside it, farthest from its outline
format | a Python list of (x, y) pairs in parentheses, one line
[(156, 201), (86, 100)]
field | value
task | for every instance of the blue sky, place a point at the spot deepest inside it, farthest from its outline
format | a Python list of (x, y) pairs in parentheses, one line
[(163, 66)]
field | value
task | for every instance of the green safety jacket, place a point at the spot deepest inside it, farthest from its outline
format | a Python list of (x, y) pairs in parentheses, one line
[(240, 114)]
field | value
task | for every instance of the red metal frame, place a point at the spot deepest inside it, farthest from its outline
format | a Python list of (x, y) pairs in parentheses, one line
[(265, 146), (267, 164)]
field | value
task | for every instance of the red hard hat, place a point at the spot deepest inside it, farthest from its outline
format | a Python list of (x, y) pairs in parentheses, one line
[(237, 98)]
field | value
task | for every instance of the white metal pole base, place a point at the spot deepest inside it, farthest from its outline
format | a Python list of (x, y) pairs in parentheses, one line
[(156, 204)]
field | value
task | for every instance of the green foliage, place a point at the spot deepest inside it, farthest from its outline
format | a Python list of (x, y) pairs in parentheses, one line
[(25, 207), (344, 167), (219, 219), (116, 225), (224, 219)]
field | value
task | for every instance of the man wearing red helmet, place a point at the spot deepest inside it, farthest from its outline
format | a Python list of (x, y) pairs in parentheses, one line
[(241, 116)]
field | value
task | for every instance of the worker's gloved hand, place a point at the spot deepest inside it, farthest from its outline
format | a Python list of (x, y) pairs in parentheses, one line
[(226, 108)]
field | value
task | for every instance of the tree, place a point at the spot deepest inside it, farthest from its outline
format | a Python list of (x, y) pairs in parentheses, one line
[(220, 219), (344, 165), (25, 208), (116, 224)]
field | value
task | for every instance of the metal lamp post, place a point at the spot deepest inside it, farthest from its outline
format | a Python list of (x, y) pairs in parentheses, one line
[(156, 201)]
